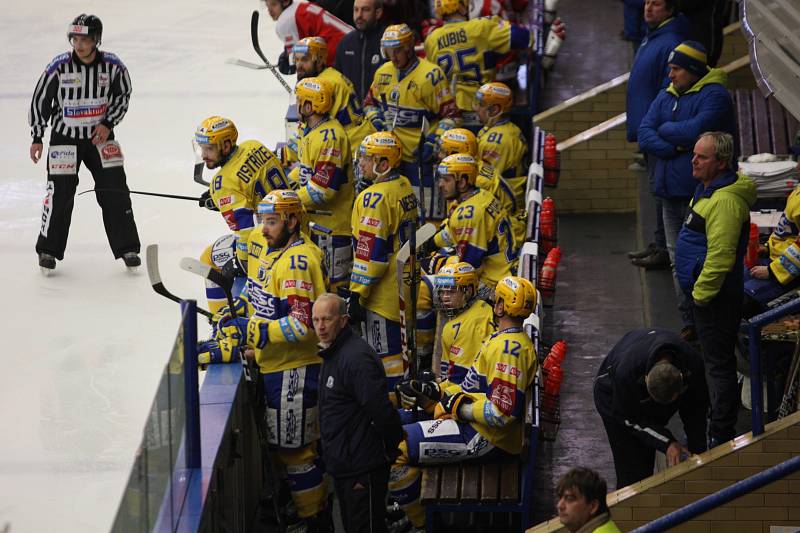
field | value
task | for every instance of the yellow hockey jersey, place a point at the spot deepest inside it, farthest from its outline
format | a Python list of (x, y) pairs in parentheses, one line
[(347, 107), (250, 173), (784, 251), (405, 98), (383, 217), (324, 180), (462, 337), (281, 289), (481, 233), (467, 51), (497, 381)]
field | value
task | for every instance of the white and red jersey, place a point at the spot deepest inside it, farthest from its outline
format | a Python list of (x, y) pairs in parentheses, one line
[(303, 19)]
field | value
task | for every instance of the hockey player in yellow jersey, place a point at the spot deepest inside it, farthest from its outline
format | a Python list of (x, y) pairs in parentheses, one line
[(467, 51), (310, 57), (482, 416), (405, 91), (288, 279), (477, 226), (324, 178), (245, 174), (502, 144), (384, 215)]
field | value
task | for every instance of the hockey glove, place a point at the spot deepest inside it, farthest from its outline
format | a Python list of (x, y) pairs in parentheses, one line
[(429, 148), (233, 268), (357, 313), (223, 351), (233, 328), (207, 202), (413, 390), (258, 333), (375, 116), (284, 66), (449, 406)]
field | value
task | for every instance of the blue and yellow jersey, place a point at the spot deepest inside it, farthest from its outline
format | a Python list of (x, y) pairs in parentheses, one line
[(467, 52), (497, 381), (383, 217), (784, 252), (481, 233), (426, 317), (324, 181), (489, 179), (282, 286), (405, 98), (462, 337), (250, 173), (347, 107)]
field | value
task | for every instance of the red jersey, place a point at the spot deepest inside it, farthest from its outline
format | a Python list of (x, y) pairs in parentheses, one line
[(303, 19)]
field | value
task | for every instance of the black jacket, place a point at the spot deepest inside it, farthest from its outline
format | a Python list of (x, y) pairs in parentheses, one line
[(360, 428), (620, 393), (358, 56)]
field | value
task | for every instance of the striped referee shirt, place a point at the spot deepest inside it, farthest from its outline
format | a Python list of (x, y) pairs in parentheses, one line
[(76, 97)]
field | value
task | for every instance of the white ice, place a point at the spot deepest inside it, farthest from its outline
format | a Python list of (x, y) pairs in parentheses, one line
[(82, 351)]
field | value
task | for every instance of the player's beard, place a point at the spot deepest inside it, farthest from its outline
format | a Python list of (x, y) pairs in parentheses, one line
[(282, 239)]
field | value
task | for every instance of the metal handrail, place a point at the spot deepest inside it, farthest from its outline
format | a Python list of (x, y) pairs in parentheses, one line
[(712, 501), (754, 332)]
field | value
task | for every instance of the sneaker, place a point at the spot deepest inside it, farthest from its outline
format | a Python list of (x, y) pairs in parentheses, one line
[(689, 334), (638, 254), (637, 166), (131, 259), (656, 261), (47, 263)]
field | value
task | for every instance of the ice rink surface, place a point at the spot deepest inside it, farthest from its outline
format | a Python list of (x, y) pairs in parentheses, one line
[(83, 350)]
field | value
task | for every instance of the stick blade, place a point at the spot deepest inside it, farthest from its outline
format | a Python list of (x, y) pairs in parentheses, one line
[(151, 259)]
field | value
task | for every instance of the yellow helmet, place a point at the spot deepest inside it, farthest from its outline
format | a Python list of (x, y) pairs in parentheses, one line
[(397, 36), (448, 7), (382, 144), (459, 165), (518, 295), (281, 202), (314, 90), (216, 130), (458, 276), (316, 47), (494, 93), (458, 141)]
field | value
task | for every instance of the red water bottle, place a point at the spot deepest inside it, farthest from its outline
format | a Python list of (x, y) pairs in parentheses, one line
[(547, 225), (556, 355), (751, 258), (547, 278), (550, 160), (552, 384)]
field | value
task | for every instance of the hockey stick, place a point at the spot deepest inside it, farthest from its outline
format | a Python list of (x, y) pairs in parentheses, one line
[(145, 193), (257, 48), (252, 376), (245, 64), (198, 174), (151, 257)]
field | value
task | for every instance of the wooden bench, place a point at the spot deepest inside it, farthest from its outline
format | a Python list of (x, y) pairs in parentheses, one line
[(500, 486), (764, 124)]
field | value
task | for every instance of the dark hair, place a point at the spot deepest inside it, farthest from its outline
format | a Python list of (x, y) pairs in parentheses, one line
[(672, 5), (589, 483)]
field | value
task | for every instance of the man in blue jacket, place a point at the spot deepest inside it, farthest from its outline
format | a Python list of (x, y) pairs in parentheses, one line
[(666, 30), (709, 260), (359, 428), (695, 101), (648, 376), (358, 54)]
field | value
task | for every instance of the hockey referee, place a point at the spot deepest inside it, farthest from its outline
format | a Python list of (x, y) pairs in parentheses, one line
[(84, 94)]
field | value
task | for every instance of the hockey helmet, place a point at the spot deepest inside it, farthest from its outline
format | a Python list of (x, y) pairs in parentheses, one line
[(449, 7), (382, 144), (282, 202), (216, 130), (494, 93), (459, 165), (88, 25), (456, 277), (518, 295), (314, 90), (458, 141), (316, 47), (397, 36)]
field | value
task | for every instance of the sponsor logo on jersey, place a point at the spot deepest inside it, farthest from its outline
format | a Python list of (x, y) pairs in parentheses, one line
[(371, 222), (62, 160), (505, 368), (225, 200), (504, 396), (321, 177), (385, 79), (361, 267), (230, 219), (300, 308), (110, 154), (441, 450), (298, 284), (330, 152), (71, 80), (221, 257), (406, 118), (255, 249), (364, 246), (85, 111), (102, 79), (47, 208)]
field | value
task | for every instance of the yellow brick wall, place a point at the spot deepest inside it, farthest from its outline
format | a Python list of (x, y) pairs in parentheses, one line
[(776, 504)]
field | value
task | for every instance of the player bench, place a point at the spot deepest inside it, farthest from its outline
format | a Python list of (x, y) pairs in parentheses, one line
[(764, 124)]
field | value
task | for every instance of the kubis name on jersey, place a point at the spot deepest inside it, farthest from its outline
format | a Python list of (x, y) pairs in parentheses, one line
[(452, 38)]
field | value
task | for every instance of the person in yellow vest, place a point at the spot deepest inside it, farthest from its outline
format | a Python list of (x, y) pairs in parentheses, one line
[(582, 506)]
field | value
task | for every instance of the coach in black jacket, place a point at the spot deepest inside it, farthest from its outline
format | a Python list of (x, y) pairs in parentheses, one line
[(644, 380), (358, 54), (360, 428)]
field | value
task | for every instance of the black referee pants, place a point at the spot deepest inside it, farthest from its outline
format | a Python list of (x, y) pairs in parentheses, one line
[(61, 185), (362, 500)]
